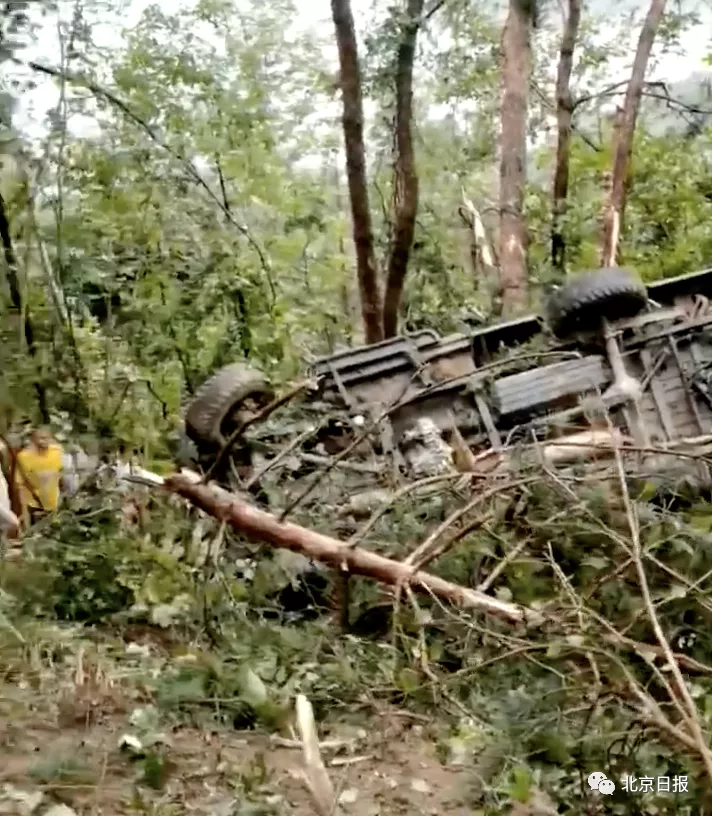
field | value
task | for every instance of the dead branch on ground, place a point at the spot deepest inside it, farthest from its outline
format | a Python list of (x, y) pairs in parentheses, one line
[(359, 439), (258, 525)]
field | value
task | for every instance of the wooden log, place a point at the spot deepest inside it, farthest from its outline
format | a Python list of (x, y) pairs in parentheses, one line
[(261, 526)]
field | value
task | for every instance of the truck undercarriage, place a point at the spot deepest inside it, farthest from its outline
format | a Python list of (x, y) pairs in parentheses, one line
[(612, 360)]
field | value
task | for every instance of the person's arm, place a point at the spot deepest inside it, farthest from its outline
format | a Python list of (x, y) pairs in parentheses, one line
[(5, 461), (20, 480), (8, 520)]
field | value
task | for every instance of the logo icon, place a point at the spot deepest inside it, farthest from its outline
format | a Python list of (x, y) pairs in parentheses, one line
[(600, 782), (606, 787)]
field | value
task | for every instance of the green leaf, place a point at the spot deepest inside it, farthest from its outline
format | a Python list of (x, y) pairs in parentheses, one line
[(521, 785), (252, 690), (408, 681)]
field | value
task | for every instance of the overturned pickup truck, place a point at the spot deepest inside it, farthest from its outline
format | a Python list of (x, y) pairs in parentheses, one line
[(610, 357)]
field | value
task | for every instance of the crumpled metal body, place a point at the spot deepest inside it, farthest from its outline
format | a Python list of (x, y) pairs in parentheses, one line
[(425, 451)]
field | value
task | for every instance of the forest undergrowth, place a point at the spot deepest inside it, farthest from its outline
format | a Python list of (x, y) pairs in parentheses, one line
[(151, 658)]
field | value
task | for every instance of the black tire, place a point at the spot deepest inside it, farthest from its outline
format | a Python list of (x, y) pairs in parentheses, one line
[(218, 397), (581, 304)]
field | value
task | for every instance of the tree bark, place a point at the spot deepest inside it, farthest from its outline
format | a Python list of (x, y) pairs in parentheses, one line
[(564, 115), (516, 69), (18, 304), (405, 174), (258, 525), (607, 186), (613, 217), (352, 121)]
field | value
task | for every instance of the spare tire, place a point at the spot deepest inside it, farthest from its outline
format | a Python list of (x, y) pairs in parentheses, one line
[(582, 303), (218, 397)]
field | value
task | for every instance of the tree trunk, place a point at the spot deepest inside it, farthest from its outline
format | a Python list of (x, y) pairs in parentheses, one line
[(607, 185), (564, 114), (18, 303), (405, 175), (516, 69), (352, 120), (621, 162), (258, 525)]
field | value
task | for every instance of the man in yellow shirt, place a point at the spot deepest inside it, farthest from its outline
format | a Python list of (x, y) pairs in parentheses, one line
[(38, 472)]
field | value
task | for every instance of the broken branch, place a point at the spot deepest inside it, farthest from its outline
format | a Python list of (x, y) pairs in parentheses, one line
[(315, 774), (261, 526)]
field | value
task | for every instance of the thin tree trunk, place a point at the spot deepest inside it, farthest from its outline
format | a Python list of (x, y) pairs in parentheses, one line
[(18, 304), (352, 120), (516, 69), (348, 301), (607, 184), (621, 163), (406, 177), (564, 114)]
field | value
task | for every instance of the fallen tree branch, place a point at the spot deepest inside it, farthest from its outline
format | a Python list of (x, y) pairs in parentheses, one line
[(685, 701), (334, 461), (261, 526), (315, 774), (692, 666), (426, 551), (358, 536), (283, 454), (356, 467)]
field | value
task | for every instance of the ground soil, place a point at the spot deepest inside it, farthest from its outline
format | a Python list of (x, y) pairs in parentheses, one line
[(63, 739)]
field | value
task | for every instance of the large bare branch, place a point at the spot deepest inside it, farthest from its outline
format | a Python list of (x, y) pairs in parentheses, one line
[(260, 526), (352, 121), (406, 177), (564, 115), (621, 163)]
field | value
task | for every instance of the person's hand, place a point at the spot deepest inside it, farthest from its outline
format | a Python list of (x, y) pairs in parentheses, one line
[(10, 522)]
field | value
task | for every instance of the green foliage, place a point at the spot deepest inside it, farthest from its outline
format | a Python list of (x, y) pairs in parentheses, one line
[(668, 207), (205, 219), (84, 568)]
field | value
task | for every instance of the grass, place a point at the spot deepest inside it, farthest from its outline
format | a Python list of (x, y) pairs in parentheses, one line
[(67, 700), (112, 708)]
